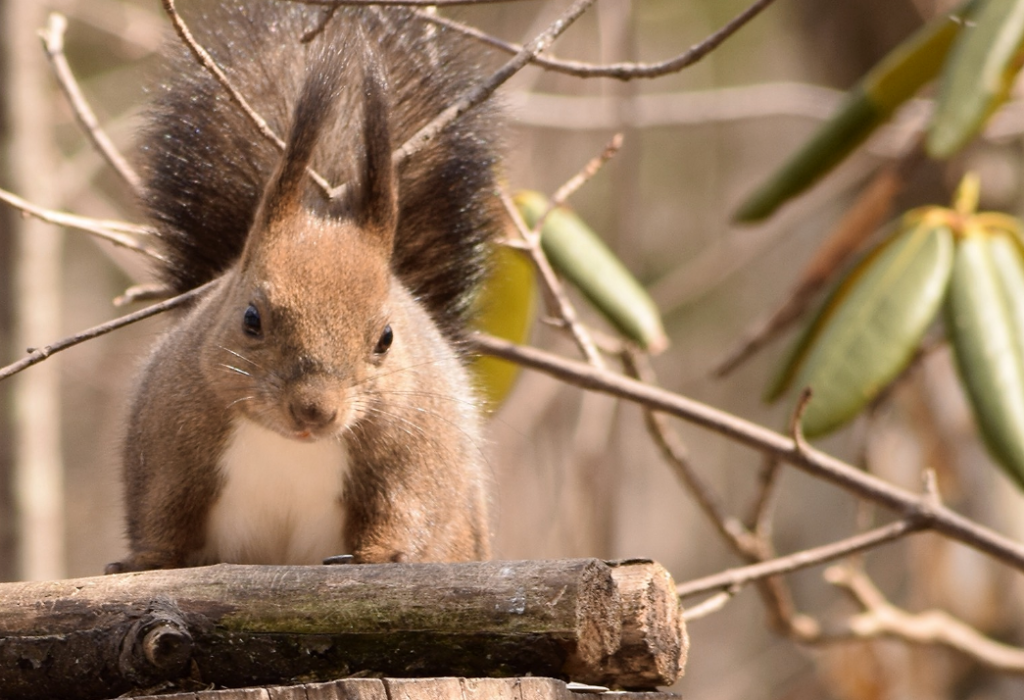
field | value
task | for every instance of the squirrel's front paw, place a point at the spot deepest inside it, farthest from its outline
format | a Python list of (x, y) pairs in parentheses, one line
[(145, 561), (376, 554), (115, 567)]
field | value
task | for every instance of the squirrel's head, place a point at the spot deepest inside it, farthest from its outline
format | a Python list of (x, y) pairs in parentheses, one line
[(305, 321)]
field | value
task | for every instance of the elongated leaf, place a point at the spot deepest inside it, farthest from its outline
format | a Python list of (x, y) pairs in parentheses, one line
[(985, 322), (583, 258), (507, 307), (980, 72), (783, 379), (868, 105), (874, 321)]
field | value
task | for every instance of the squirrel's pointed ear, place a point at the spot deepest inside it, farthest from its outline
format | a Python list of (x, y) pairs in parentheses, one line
[(374, 201), (317, 107)]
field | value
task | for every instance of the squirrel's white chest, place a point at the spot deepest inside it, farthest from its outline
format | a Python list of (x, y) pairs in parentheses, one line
[(281, 501)]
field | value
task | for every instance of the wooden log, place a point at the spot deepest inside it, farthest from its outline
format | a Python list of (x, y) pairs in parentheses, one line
[(531, 688), (237, 626)]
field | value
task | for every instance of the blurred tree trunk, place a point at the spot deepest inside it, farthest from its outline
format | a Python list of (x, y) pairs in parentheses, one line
[(38, 487), (7, 542)]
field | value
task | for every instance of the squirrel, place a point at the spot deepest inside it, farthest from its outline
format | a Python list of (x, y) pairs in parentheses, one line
[(315, 401)]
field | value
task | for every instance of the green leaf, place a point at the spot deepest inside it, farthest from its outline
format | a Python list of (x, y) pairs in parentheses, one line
[(869, 328), (783, 378), (577, 253), (980, 72), (985, 322), (868, 105)]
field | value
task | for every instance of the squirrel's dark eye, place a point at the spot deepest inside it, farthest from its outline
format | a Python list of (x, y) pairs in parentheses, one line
[(251, 322), (384, 343)]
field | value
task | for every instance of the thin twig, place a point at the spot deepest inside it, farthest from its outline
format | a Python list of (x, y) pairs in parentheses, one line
[(818, 464), (554, 293), (207, 62), (709, 606), (752, 546), (932, 627), (856, 227), (760, 519), (741, 576), (796, 420), (557, 301), (53, 42), (620, 71), (325, 18), (675, 453), (586, 172), (428, 132), (117, 232), (37, 355), (483, 90), (143, 292)]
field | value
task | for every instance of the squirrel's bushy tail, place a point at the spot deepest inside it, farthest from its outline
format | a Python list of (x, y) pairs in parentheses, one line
[(206, 165)]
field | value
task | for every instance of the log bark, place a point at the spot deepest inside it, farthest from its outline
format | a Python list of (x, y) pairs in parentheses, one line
[(237, 626), (530, 688)]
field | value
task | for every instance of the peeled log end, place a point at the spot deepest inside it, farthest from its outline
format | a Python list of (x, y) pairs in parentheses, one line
[(654, 640)]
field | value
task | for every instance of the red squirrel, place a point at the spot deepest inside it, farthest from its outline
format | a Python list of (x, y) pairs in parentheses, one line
[(315, 401)]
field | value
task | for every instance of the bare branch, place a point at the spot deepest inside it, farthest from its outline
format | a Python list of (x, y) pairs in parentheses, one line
[(557, 301), (117, 232), (482, 91), (674, 452), (760, 519), (796, 420), (584, 175), (933, 627), (428, 132), (53, 42), (709, 606), (856, 227), (909, 505), (143, 292), (754, 547), (741, 576), (325, 19), (620, 71), (207, 62), (931, 488), (37, 355)]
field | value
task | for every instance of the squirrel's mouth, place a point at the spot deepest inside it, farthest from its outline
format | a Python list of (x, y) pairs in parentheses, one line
[(294, 430), (309, 433)]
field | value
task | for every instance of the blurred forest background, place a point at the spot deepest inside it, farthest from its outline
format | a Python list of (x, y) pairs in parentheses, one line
[(576, 473)]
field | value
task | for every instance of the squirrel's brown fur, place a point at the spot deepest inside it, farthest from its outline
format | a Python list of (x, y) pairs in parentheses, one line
[(330, 335)]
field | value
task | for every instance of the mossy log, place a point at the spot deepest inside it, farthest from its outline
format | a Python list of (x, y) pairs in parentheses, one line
[(239, 626)]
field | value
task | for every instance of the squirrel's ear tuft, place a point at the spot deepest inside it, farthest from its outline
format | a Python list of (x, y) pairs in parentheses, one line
[(317, 107), (374, 199)]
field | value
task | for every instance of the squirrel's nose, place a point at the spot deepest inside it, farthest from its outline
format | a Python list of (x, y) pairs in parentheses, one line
[(311, 414)]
